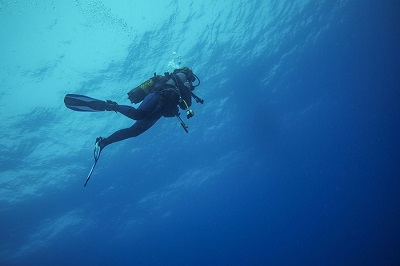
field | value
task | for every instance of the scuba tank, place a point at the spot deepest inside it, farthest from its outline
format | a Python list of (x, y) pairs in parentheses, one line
[(137, 94)]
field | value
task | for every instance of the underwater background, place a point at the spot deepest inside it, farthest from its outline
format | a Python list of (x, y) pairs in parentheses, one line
[(292, 160)]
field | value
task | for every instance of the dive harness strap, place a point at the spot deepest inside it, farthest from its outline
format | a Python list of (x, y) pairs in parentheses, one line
[(176, 88), (189, 112)]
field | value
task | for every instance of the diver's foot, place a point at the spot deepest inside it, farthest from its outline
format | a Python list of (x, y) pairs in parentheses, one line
[(100, 144), (111, 106)]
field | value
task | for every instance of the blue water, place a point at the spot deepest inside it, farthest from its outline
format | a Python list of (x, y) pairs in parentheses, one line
[(292, 160)]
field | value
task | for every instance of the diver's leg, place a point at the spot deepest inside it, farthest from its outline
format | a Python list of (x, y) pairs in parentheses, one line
[(153, 108), (135, 130), (131, 112), (148, 106)]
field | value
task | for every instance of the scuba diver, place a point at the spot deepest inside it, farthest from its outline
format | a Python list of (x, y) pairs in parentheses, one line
[(159, 96)]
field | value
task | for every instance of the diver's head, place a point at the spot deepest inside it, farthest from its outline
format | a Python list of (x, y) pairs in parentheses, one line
[(190, 76)]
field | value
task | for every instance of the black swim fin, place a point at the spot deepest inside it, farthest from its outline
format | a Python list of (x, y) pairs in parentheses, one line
[(96, 153), (83, 103)]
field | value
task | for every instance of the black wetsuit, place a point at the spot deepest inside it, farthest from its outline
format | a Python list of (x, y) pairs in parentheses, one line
[(152, 108)]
